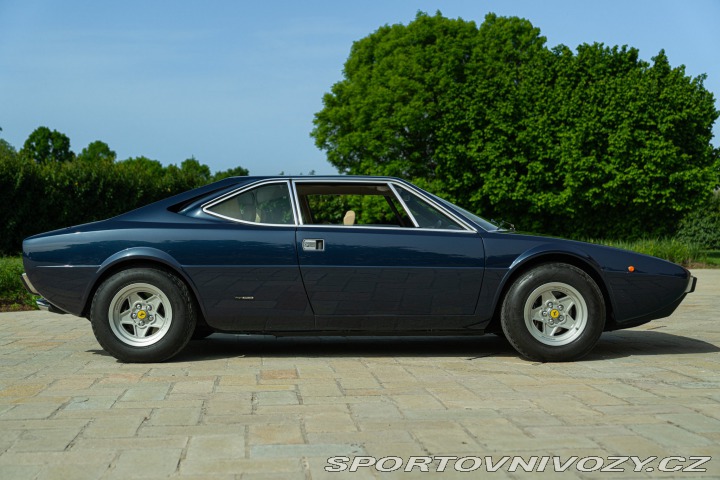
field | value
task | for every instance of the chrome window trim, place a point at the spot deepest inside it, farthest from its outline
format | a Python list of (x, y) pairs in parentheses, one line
[(342, 181), (297, 213), (440, 207), (402, 202), (295, 203), (248, 187), (388, 228), (466, 228)]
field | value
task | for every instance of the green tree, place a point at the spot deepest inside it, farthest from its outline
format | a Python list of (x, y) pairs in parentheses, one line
[(7, 151), (195, 172), (589, 143), (47, 146), (386, 116), (232, 172), (141, 166), (144, 180), (190, 174), (21, 195), (97, 151), (43, 195), (702, 226)]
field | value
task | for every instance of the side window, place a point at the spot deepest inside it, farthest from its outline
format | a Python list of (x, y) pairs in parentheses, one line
[(426, 215), (269, 204), (351, 204)]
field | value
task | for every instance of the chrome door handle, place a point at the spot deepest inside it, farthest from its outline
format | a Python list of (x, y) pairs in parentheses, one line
[(316, 244)]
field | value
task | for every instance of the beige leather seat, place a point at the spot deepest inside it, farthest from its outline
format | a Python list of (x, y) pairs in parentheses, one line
[(349, 218)]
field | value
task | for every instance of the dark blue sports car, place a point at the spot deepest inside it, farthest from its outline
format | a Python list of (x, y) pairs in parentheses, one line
[(337, 256)]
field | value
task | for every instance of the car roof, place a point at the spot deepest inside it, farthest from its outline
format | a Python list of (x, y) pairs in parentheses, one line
[(317, 177)]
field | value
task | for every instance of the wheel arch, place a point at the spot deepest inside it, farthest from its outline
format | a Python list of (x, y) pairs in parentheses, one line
[(140, 258), (531, 260)]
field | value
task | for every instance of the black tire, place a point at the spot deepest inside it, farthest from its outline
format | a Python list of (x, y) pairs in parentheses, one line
[(553, 313), (143, 315)]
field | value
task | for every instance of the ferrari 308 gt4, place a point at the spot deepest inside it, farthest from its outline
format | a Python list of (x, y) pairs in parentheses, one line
[(337, 255)]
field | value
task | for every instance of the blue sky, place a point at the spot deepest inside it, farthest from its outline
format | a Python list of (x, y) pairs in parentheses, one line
[(237, 83)]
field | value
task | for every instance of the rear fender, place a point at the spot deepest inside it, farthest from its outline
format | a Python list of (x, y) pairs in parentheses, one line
[(137, 255)]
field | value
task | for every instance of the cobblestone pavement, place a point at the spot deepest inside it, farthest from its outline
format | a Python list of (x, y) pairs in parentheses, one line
[(258, 407)]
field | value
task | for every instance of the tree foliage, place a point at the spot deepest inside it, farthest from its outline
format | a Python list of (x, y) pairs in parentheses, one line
[(702, 226), (595, 142), (40, 192), (96, 152), (232, 172), (45, 145)]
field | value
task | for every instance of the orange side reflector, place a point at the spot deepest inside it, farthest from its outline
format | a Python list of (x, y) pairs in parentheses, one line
[(631, 269)]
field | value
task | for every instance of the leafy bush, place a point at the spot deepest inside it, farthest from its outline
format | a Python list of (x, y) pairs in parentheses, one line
[(43, 196), (13, 295), (702, 226)]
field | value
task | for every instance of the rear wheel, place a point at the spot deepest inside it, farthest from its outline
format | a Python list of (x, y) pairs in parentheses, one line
[(143, 315), (554, 312)]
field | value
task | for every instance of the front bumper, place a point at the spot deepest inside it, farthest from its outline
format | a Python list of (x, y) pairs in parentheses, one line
[(665, 311)]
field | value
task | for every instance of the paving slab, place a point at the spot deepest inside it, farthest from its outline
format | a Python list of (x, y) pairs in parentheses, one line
[(235, 406)]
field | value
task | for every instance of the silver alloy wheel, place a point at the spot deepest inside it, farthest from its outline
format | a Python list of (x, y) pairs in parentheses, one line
[(556, 314), (140, 314)]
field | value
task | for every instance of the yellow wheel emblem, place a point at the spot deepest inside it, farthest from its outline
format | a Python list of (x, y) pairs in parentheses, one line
[(553, 313), (142, 314)]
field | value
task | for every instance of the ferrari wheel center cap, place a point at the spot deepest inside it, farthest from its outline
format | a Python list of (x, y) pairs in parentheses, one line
[(142, 314), (554, 313)]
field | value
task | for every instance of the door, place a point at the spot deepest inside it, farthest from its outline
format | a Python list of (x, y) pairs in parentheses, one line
[(245, 265), (375, 256)]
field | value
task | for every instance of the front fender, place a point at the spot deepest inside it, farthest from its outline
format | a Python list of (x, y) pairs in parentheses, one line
[(546, 250), (504, 263)]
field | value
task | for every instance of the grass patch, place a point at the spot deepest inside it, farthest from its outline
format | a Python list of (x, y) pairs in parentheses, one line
[(713, 258), (13, 296), (671, 249)]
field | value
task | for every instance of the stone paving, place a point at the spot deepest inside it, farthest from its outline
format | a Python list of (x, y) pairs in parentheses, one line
[(259, 407)]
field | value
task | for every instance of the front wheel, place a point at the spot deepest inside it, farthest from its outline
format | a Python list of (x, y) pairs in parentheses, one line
[(143, 315), (554, 312)]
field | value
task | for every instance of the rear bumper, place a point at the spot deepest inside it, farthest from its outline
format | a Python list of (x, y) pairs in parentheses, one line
[(41, 303), (46, 306), (28, 284)]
